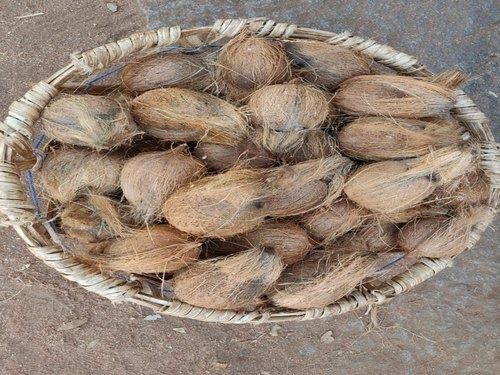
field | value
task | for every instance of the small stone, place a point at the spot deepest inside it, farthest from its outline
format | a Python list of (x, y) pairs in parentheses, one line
[(265, 373), (152, 317), (220, 366), (327, 337), (72, 325), (92, 344), (180, 330), (275, 330), (112, 7)]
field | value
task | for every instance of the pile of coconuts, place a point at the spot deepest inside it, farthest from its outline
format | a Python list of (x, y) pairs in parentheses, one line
[(262, 173)]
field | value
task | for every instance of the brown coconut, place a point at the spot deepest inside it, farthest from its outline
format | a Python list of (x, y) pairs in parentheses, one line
[(169, 69), (317, 144), (324, 64), (332, 221), (148, 179), (374, 237), (67, 173), (92, 219), (286, 112), (445, 236), (393, 96), (248, 63), (321, 279), (379, 138), (399, 217), (158, 249), (98, 122), (178, 114), (288, 240), (470, 189), (232, 283), (391, 186)]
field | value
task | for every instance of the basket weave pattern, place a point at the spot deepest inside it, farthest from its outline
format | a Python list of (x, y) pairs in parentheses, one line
[(16, 134)]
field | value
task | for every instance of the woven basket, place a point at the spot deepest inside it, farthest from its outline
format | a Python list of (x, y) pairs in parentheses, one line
[(20, 212)]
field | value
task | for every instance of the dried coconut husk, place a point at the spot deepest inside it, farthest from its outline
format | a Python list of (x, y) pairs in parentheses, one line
[(168, 69), (399, 217), (288, 240), (158, 249), (324, 64), (222, 157), (67, 173), (321, 279), (286, 112), (149, 178), (394, 96), (247, 62), (177, 114), (470, 189), (331, 221), (444, 236), (239, 200), (380, 138), (98, 122), (317, 145), (373, 237), (391, 186), (232, 283), (92, 219)]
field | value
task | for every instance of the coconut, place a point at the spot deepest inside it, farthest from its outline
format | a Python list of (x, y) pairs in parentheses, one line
[(332, 221), (379, 138), (317, 144), (148, 179), (177, 114), (67, 173), (286, 112), (248, 62), (159, 249), (399, 217), (470, 189), (97, 122), (92, 219), (235, 282), (324, 64), (444, 236), (222, 157), (321, 279), (391, 186), (374, 237), (393, 96), (167, 69), (288, 240)]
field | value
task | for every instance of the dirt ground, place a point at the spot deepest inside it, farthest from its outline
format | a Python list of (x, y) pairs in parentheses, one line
[(51, 326)]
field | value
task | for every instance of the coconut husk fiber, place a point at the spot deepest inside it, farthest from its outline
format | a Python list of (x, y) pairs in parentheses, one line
[(373, 237), (68, 173), (178, 114), (391, 186), (331, 221), (321, 279), (324, 64), (149, 178), (98, 122), (393, 96), (399, 217), (471, 189), (236, 282), (168, 69), (94, 218), (288, 240), (380, 138), (317, 145), (444, 236), (285, 112), (248, 63), (159, 249)]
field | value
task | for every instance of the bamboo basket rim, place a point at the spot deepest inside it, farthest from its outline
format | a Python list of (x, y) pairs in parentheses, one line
[(16, 135)]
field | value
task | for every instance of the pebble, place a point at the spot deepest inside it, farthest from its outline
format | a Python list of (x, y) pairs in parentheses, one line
[(112, 7)]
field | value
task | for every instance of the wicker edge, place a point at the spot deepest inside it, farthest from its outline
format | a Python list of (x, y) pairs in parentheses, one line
[(16, 135)]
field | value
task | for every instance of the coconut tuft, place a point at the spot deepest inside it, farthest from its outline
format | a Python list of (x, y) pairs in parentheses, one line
[(379, 138), (236, 282), (159, 249), (400, 217), (68, 173), (149, 178), (286, 112), (317, 145), (324, 64), (92, 219), (178, 114), (167, 69), (445, 236), (471, 189), (247, 62), (393, 96), (373, 237), (391, 186), (98, 122), (321, 279)]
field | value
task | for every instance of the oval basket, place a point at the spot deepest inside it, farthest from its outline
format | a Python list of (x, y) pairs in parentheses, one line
[(22, 213)]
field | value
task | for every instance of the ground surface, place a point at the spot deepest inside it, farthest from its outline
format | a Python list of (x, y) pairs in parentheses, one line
[(447, 325)]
